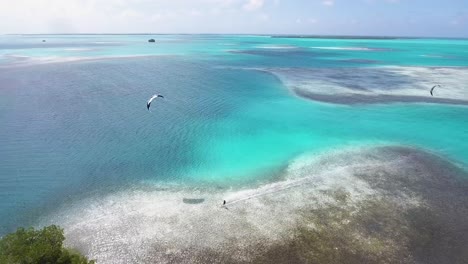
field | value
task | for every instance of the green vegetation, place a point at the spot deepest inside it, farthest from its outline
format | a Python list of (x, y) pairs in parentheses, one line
[(44, 246)]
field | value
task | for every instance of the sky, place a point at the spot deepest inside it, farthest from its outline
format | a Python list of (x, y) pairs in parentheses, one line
[(437, 18)]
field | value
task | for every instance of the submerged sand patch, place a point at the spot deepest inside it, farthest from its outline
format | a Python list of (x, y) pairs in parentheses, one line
[(350, 85), (361, 205)]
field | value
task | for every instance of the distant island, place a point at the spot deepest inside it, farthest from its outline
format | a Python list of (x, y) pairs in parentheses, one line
[(337, 37)]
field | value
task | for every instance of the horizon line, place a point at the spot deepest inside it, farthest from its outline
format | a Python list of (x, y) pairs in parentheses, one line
[(297, 35)]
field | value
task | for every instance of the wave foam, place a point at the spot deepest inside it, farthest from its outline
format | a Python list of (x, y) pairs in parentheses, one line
[(14, 60), (276, 47), (351, 48)]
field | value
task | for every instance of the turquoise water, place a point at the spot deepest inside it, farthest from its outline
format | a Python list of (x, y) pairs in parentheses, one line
[(74, 118)]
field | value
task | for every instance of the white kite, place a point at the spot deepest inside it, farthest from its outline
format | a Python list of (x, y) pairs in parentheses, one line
[(148, 104)]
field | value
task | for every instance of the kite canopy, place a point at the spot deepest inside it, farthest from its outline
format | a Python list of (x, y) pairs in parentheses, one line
[(433, 87), (148, 104)]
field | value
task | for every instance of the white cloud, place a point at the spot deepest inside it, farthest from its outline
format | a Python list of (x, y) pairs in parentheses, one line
[(253, 5), (218, 16), (96, 16), (264, 17), (311, 21), (137, 16), (460, 19), (378, 1)]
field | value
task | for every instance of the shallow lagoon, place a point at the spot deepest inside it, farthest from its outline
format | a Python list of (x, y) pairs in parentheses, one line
[(76, 134)]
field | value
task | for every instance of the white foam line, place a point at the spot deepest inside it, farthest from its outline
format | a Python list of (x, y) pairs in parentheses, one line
[(78, 49), (276, 47), (298, 165), (432, 56), (345, 48), (106, 42), (272, 189), (31, 61)]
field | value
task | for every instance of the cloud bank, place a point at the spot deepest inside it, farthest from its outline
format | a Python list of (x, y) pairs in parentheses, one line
[(376, 17)]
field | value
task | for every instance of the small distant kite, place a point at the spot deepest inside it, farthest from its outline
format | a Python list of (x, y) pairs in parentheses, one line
[(433, 87), (148, 104)]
